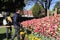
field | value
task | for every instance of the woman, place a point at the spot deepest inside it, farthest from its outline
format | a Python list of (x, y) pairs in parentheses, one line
[(9, 23)]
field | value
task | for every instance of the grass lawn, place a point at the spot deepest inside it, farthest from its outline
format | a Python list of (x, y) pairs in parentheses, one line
[(3, 34)]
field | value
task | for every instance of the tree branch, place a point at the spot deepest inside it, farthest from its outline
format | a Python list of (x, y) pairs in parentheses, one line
[(41, 2), (49, 3)]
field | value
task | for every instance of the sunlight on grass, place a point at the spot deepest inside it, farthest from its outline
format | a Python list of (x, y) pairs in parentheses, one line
[(3, 30)]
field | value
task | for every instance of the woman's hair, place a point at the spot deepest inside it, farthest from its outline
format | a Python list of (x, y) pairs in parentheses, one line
[(8, 14)]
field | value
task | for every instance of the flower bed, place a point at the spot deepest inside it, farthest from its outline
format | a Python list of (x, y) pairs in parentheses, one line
[(32, 37), (48, 26)]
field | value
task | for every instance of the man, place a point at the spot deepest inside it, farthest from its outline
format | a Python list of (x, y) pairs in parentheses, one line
[(16, 20)]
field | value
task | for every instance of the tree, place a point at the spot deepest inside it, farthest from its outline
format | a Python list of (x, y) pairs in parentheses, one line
[(57, 6), (11, 5), (36, 10), (1, 5), (45, 4)]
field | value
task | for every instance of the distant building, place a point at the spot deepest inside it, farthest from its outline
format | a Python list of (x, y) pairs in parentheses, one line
[(27, 13)]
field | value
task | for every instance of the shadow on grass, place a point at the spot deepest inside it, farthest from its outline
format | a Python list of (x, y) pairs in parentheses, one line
[(3, 36)]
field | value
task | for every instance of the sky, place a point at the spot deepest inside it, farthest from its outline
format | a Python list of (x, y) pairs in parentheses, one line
[(30, 4), (53, 4)]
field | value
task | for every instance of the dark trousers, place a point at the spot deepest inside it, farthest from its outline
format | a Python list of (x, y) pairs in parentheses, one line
[(8, 30), (17, 33)]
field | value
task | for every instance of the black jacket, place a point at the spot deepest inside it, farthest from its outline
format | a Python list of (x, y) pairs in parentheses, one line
[(16, 19)]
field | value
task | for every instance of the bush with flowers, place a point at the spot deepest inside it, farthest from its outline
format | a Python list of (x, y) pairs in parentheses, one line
[(47, 27)]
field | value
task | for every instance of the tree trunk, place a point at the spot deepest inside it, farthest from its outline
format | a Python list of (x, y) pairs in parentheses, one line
[(46, 12)]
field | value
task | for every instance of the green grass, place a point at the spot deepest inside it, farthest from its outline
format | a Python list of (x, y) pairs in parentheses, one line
[(3, 33), (2, 30)]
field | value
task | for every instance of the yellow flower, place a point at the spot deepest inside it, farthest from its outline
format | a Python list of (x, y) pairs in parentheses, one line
[(59, 29), (21, 33), (37, 38), (33, 39), (29, 37)]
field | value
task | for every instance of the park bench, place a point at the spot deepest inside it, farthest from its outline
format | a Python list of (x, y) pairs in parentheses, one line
[(5, 26)]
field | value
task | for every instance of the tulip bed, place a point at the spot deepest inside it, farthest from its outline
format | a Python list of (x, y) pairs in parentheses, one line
[(47, 27)]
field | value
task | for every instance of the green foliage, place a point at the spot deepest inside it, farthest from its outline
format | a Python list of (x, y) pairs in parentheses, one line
[(58, 11), (36, 9), (57, 6), (7, 0)]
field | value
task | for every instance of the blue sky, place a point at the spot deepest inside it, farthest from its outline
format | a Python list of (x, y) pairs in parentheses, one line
[(53, 4), (30, 4)]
